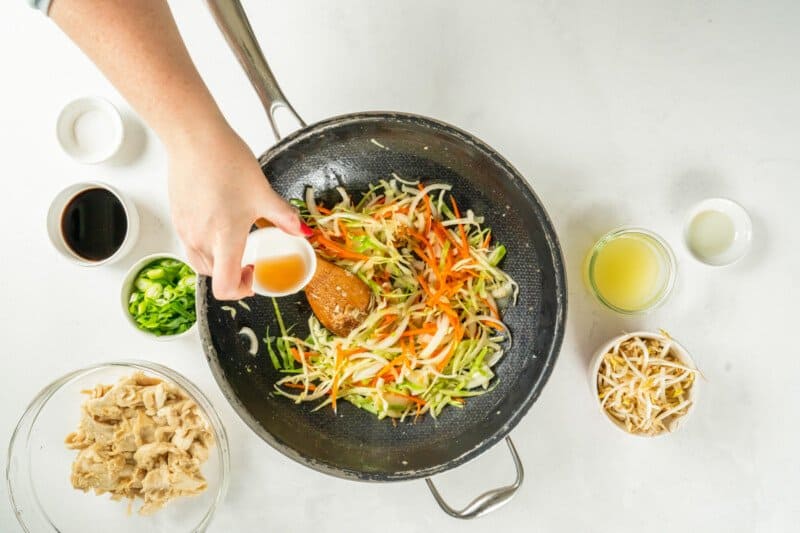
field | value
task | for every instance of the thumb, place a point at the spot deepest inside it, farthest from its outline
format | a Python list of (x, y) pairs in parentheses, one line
[(278, 211), (229, 280)]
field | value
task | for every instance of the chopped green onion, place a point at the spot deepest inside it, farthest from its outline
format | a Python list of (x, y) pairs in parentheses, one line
[(163, 296)]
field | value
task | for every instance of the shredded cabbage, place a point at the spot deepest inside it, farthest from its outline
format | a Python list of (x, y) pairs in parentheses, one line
[(435, 332)]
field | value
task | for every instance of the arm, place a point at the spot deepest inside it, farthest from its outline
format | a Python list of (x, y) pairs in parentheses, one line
[(216, 186)]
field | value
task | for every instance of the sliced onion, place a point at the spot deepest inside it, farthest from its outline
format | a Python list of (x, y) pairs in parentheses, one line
[(439, 357), (441, 330), (394, 337), (435, 187), (368, 372), (478, 379), (251, 335), (345, 197), (311, 202), (412, 183), (469, 219)]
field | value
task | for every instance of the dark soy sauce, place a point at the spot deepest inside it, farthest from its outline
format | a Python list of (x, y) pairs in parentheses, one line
[(94, 224)]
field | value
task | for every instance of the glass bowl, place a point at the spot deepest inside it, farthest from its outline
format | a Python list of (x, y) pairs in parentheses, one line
[(39, 464), (667, 267)]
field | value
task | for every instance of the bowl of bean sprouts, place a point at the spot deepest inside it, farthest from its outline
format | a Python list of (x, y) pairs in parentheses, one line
[(644, 383)]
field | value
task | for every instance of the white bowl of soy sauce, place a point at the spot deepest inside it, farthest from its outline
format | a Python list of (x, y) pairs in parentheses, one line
[(92, 224)]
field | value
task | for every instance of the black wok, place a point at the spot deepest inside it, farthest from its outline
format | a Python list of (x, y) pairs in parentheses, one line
[(353, 151)]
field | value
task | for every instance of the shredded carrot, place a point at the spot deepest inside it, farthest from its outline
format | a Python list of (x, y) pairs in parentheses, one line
[(448, 261), (444, 234), (420, 237), (456, 212), (420, 331), (311, 386), (446, 309), (453, 290), (487, 240), (323, 210), (464, 242), (338, 249), (388, 372), (492, 308), (454, 320), (412, 348), (344, 232), (404, 347), (296, 355), (424, 286), (427, 259), (350, 351), (415, 399)]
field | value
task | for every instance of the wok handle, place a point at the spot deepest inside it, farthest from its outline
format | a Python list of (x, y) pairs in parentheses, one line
[(488, 501), (232, 22)]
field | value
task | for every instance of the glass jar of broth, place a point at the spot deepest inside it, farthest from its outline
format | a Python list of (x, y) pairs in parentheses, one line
[(630, 270)]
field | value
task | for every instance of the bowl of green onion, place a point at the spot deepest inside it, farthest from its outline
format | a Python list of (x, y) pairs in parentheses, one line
[(158, 296)]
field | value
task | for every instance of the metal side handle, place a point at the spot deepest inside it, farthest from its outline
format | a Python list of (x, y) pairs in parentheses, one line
[(232, 22), (488, 501)]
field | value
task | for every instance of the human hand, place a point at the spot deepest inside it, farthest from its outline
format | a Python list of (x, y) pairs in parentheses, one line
[(216, 187), (217, 190)]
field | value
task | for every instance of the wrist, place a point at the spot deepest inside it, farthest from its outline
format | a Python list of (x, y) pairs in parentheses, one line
[(189, 133)]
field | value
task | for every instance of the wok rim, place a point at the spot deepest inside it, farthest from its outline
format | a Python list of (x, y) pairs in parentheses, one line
[(559, 321)]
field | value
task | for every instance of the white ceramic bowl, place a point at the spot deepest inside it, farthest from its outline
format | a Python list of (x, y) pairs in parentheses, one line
[(127, 287), (676, 349), (90, 129), (56, 211), (38, 468), (742, 227), (266, 243)]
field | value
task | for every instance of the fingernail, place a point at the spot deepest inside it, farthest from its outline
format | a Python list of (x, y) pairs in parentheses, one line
[(306, 229)]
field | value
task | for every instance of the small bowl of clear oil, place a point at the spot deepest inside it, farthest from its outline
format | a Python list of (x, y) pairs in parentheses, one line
[(630, 270), (718, 231)]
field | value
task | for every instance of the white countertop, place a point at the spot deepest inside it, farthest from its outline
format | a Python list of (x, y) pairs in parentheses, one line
[(627, 113)]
